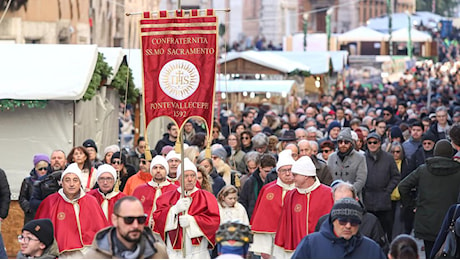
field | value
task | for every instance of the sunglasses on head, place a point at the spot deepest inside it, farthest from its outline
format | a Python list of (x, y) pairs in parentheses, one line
[(353, 222), (130, 220)]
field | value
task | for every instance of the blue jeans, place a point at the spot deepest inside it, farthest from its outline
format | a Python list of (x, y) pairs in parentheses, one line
[(2, 248)]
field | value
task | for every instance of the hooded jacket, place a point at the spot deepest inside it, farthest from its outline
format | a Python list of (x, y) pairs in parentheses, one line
[(50, 252), (438, 188), (104, 246), (325, 244)]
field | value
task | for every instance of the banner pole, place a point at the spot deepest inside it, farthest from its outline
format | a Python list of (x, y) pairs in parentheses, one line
[(182, 182)]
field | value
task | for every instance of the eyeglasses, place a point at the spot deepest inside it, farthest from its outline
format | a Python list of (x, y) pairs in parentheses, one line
[(283, 171), (326, 151), (107, 179), (130, 220), (396, 151), (116, 162), (26, 239), (144, 162), (353, 222), (42, 169), (344, 142), (373, 142)]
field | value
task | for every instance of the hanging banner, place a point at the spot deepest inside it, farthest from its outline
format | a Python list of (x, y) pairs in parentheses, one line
[(179, 56)]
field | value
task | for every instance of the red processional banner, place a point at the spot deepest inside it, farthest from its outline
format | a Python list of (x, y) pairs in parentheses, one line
[(179, 54)]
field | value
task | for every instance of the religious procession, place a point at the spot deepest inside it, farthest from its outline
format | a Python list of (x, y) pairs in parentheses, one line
[(180, 133)]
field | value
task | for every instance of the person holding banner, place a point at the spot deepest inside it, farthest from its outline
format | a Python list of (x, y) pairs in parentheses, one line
[(187, 218)]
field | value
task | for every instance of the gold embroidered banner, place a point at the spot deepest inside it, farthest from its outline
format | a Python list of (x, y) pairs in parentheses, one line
[(179, 65)]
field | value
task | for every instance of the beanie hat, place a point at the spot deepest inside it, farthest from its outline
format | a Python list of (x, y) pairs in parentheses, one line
[(188, 166), (428, 136), (172, 155), (161, 160), (389, 109), (90, 143), (333, 124), (347, 208), (111, 149), (72, 168), (166, 149), (42, 229), (304, 166), (219, 151), (396, 132), (443, 148), (284, 158), (345, 134), (120, 156), (41, 157), (106, 168)]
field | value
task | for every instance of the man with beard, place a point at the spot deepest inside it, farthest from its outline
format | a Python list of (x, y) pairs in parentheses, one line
[(148, 193), (128, 237), (169, 138), (188, 218), (106, 196), (347, 164)]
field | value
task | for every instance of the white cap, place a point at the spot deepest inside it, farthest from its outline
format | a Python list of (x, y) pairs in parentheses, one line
[(284, 158), (354, 136), (172, 155), (304, 166), (188, 166), (159, 159), (72, 168), (106, 168)]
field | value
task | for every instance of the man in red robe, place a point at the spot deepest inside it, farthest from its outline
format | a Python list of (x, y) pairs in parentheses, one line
[(269, 203), (302, 208), (106, 178), (76, 217), (194, 215), (148, 193)]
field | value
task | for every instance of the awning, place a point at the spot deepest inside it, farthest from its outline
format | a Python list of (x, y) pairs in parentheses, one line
[(274, 86), (134, 58), (113, 57), (402, 35), (46, 71)]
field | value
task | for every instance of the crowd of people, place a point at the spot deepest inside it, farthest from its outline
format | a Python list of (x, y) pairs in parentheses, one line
[(358, 174)]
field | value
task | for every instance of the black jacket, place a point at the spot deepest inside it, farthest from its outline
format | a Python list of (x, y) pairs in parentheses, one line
[(217, 182), (164, 142), (5, 195), (43, 188), (250, 192), (25, 194)]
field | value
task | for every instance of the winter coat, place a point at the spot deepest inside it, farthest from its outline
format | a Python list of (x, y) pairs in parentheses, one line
[(250, 192), (50, 252), (164, 142), (434, 130), (418, 158), (382, 177), (217, 182), (352, 169), (103, 246), (325, 244), (438, 188), (25, 194), (322, 171), (5, 195)]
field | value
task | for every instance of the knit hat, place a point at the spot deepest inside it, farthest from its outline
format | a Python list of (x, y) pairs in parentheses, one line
[(188, 166), (443, 148), (388, 109), (347, 208), (111, 149), (106, 168), (161, 160), (41, 157), (284, 158), (428, 136), (90, 143), (219, 151), (72, 168), (172, 155), (304, 166), (120, 156), (345, 134), (334, 124), (166, 149), (42, 229), (396, 132)]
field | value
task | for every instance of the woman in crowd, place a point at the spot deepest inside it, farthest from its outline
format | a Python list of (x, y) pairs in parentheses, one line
[(109, 151), (80, 156), (246, 143), (204, 179), (327, 148), (236, 159), (403, 247)]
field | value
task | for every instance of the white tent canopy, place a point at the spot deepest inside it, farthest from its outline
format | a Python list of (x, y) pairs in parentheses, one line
[(113, 57), (402, 35), (274, 86), (46, 71), (134, 59), (362, 34)]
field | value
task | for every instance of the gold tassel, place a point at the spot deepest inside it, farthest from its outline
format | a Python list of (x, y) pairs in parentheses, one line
[(148, 154), (177, 147)]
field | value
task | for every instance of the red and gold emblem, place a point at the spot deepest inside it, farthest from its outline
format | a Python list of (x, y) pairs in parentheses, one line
[(270, 196), (61, 216), (298, 208)]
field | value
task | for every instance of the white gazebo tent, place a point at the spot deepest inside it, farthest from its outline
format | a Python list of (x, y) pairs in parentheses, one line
[(402, 35), (362, 34)]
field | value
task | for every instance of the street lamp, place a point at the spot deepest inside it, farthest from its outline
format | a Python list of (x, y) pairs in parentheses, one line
[(328, 27), (409, 42), (305, 30)]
